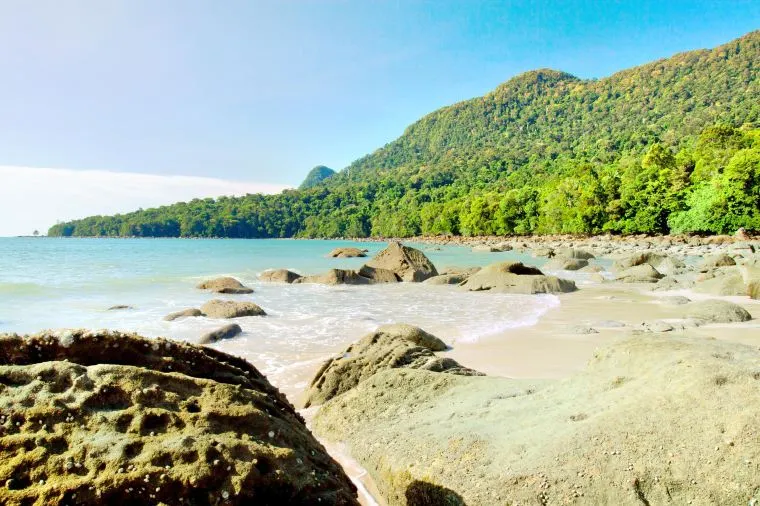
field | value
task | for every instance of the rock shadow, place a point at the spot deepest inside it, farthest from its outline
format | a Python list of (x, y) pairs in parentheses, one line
[(422, 493)]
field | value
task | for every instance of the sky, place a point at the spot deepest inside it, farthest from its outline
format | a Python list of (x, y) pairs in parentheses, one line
[(255, 93)]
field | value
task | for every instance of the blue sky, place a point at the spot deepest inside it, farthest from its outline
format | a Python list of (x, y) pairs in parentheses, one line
[(262, 91)]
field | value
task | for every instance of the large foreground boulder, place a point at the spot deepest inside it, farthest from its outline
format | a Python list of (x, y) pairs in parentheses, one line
[(409, 264), (390, 346), (347, 252), (279, 276), (225, 285), (652, 420), (514, 277), (109, 418), (717, 311), (218, 308)]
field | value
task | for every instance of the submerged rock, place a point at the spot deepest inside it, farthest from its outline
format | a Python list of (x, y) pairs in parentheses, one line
[(225, 285), (226, 332), (347, 252), (514, 277), (279, 276), (717, 311), (95, 418), (390, 346), (409, 264), (182, 314), (663, 418), (218, 308), (119, 307)]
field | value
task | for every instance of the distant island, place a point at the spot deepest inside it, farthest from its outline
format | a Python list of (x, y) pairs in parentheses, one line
[(668, 147)]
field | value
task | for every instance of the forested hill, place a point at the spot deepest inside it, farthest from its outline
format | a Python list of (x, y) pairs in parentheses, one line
[(671, 146)]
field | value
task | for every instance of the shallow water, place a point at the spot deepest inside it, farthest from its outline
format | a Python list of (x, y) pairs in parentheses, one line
[(55, 282)]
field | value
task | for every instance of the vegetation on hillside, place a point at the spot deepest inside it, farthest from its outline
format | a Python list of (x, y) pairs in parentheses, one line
[(672, 146), (316, 176)]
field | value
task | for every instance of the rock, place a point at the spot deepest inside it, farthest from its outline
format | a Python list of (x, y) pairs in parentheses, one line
[(226, 332), (230, 309), (565, 264), (575, 253), (592, 269), (336, 277), (378, 275), (727, 284), (446, 279), (390, 346), (112, 418), (583, 330), (485, 248), (658, 326), (279, 276), (717, 311), (514, 277), (741, 234), (643, 273), (656, 260), (675, 300), (543, 252), (609, 324), (347, 253), (672, 283), (716, 261), (639, 422), (181, 314), (407, 263), (119, 307), (753, 289), (225, 285)]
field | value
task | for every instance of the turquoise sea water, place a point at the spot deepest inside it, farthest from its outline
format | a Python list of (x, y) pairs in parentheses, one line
[(57, 282)]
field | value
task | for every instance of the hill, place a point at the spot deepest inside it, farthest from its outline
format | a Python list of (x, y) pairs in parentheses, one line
[(671, 146), (316, 176)]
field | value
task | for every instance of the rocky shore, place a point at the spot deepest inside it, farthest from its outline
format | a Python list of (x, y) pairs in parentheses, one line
[(639, 387)]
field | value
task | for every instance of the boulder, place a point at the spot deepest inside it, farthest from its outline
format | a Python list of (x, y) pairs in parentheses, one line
[(561, 263), (336, 277), (575, 253), (543, 252), (662, 263), (218, 308), (753, 289), (717, 311), (279, 276), (514, 277), (675, 300), (110, 418), (643, 273), (713, 262), (182, 314), (347, 253), (452, 276), (650, 420), (390, 346), (226, 332), (727, 284), (407, 263), (378, 275), (225, 285), (485, 248)]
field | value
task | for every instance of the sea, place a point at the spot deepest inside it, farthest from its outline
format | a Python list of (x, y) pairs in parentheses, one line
[(52, 283)]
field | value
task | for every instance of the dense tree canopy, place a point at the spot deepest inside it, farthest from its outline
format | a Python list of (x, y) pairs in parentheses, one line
[(673, 146), (316, 176)]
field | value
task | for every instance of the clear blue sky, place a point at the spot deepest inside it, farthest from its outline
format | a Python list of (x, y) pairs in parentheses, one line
[(262, 91)]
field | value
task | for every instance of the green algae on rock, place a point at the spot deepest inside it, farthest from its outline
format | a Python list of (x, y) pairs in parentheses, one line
[(110, 418)]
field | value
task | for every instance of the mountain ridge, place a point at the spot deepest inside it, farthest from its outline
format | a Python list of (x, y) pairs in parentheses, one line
[(494, 164)]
